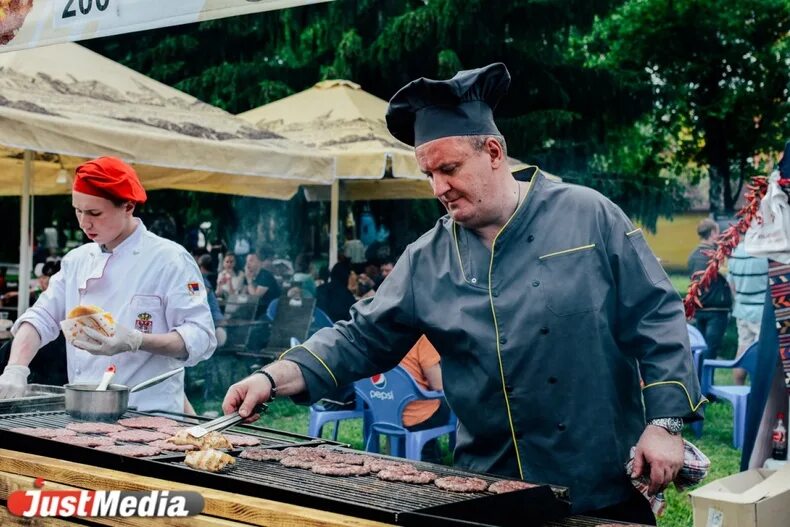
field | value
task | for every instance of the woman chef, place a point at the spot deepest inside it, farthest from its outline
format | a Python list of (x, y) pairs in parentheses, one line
[(151, 286)]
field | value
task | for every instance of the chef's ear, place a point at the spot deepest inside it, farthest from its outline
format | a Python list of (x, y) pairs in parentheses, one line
[(129, 206)]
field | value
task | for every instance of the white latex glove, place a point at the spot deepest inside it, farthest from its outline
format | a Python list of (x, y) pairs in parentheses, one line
[(125, 339), (13, 381)]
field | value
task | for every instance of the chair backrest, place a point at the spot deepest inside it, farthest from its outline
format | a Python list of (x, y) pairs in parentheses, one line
[(696, 339), (291, 320), (320, 320), (748, 361), (386, 395), (241, 307)]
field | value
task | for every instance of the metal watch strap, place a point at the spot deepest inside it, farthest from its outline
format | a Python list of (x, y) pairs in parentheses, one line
[(673, 425), (273, 391)]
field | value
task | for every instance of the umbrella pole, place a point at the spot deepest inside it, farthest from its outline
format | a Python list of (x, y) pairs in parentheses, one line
[(334, 218), (25, 253)]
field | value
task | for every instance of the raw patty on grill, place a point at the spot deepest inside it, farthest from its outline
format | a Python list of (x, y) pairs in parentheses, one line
[(131, 450), (300, 462), (240, 440), (147, 422), (86, 440), (376, 464), (46, 433), (461, 484), (262, 454), (95, 428), (500, 487), (342, 457), (171, 430), (418, 477), (163, 444), (305, 452), (340, 469), (138, 436)]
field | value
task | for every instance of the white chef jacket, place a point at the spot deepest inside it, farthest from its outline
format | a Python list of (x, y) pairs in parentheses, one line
[(147, 283)]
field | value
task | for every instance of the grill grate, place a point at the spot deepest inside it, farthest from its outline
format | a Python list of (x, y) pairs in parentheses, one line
[(362, 496)]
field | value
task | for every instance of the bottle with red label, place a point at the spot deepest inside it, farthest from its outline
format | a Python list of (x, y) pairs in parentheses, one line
[(779, 438)]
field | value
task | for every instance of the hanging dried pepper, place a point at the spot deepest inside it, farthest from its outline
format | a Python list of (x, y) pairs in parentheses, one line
[(725, 243)]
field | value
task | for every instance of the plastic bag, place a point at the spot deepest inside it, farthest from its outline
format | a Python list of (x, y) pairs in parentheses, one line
[(769, 234)]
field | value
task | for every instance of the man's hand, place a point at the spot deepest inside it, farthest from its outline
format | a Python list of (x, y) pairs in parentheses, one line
[(13, 381), (125, 339), (659, 456), (246, 394)]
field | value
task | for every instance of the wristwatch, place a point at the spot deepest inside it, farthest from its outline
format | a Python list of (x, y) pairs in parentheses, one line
[(673, 425)]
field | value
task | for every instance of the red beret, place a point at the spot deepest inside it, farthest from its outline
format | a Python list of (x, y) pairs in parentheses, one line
[(109, 178)]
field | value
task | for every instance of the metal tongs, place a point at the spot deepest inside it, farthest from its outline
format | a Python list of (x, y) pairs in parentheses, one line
[(221, 423)]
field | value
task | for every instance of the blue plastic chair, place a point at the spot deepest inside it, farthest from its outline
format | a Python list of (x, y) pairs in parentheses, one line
[(320, 416), (738, 396), (698, 348), (386, 395), (320, 319)]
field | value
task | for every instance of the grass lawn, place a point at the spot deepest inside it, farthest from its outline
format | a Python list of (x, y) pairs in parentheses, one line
[(716, 440)]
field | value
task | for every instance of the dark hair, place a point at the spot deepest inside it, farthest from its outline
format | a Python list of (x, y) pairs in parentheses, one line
[(204, 261), (340, 273), (50, 268), (706, 227), (264, 252)]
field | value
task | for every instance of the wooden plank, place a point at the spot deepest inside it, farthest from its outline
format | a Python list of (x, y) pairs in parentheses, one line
[(6, 518), (221, 504)]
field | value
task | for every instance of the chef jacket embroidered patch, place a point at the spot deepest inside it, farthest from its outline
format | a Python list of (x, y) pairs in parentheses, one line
[(144, 323), (193, 288)]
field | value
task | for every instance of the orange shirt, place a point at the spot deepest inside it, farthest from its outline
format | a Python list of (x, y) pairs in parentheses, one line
[(421, 357)]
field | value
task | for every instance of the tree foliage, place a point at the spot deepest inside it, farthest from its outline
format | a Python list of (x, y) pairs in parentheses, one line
[(581, 104), (719, 75)]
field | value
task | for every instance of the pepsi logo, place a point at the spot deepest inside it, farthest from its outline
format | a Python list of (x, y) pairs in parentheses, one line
[(379, 381)]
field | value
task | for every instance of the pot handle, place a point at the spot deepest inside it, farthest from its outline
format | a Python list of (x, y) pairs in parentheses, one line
[(155, 380)]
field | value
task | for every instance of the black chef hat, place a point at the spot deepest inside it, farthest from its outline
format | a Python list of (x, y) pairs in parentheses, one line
[(427, 109)]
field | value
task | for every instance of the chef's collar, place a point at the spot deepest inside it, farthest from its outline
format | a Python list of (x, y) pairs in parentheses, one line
[(130, 242)]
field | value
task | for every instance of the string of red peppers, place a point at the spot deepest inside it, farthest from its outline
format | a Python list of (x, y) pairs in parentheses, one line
[(726, 242)]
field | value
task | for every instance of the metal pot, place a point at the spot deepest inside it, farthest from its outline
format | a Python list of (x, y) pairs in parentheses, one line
[(84, 402)]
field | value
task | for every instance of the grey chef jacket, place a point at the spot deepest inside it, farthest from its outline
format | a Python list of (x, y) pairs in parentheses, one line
[(542, 339)]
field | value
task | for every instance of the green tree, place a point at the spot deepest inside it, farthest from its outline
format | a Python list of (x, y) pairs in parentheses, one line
[(719, 74)]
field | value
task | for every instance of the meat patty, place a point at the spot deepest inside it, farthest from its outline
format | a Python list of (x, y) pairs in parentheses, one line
[(86, 440), (340, 469), (138, 436), (418, 477), (46, 433), (131, 450), (262, 454), (147, 422), (95, 428), (305, 452), (163, 444), (377, 464), (500, 487), (461, 484), (171, 430), (345, 458), (240, 440), (300, 462)]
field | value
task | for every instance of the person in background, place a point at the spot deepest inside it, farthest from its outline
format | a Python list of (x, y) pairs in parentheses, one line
[(302, 276), (259, 281), (711, 319), (49, 364), (384, 270), (353, 249), (423, 364), (334, 297), (229, 281), (748, 278), (151, 286), (563, 341)]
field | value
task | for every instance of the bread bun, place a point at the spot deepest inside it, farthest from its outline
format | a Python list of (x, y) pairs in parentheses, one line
[(82, 311)]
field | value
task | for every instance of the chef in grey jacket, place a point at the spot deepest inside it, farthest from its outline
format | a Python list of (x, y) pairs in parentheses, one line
[(545, 303)]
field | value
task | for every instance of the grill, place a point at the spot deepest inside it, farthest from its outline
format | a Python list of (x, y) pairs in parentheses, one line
[(39, 397), (363, 496)]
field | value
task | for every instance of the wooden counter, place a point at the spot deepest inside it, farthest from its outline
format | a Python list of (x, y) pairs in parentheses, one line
[(18, 470)]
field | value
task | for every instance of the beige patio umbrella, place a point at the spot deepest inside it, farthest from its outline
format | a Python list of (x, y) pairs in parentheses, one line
[(67, 100)]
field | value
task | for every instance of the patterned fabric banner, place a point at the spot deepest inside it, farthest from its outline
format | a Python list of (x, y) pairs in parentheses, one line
[(779, 283)]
